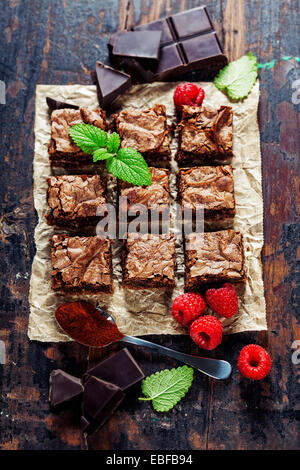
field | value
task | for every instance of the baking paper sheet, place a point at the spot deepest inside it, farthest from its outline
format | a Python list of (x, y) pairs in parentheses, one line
[(149, 312)]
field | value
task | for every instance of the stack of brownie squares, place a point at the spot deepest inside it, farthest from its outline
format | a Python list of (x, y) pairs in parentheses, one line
[(83, 264), (205, 181), (148, 259), (80, 264)]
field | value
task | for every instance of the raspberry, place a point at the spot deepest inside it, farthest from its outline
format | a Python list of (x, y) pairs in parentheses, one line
[(254, 362), (187, 307), (207, 332), (188, 94), (223, 301)]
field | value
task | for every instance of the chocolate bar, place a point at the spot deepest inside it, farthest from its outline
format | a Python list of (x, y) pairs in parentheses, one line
[(110, 83), (63, 387), (100, 399), (189, 43), (119, 369)]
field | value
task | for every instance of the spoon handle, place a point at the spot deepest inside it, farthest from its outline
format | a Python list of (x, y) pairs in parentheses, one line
[(216, 368)]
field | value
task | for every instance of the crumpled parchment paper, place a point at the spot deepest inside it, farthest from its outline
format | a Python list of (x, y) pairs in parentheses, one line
[(149, 312)]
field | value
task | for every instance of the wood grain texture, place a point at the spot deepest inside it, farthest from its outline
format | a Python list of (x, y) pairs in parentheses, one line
[(47, 41), (234, 28)]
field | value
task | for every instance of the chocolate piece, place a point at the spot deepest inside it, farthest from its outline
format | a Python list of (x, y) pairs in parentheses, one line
[(155, 197), (110, 83), (213, 257), (158, 25), (147, 131), (100, 399), (141, 45), (135, 52), (63, 387), (76, 201), (54, 104), (148, 261), (170, 62), (191, 22), (205, 136), (188, 43), (81, 264), (62, 150), (211, 189), (119, 369)]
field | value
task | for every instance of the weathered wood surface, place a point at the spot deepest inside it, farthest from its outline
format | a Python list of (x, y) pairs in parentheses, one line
[(48, 41)]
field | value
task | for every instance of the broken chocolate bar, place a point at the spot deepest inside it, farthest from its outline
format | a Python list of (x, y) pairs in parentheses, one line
[(100, 399), (63, 387), (110, 83), (119, 369), (189, 43)]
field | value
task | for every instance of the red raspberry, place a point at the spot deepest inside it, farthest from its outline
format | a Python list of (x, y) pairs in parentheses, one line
[(223, 301), (187, 307), (207, 332), (188, 94), (254, 362)]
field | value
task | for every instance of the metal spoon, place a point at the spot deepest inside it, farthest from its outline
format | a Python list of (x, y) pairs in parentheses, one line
[(215, 368)]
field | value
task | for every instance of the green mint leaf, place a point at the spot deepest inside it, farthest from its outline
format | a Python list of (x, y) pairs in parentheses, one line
[(168, 387), (238, 77), (129, 165), (89, 138), (113, 142), (101, 154)]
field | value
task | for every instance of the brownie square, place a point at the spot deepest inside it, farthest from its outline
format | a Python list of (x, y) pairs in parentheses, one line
[(205, 136), (147, 131), (213, 257), (155, 197), (210, 188), (75, 199), (62, 150), (81, 264), (148, 261)]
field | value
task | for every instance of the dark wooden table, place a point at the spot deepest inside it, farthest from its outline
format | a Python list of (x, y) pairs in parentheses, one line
[(57, 42)]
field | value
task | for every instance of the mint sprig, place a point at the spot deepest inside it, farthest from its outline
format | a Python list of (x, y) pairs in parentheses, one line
[(238, 77), (89, 138), (167, 387), (124, 163)]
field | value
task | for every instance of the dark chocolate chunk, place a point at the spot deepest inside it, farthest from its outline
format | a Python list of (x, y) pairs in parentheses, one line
[(110, 83), (171, 60), (54, 104), (201, 46), (189, 43), (100, 399), (191, 22), (158, 25), (63, 387), (137, 44), (113, 39), (120, 369)]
